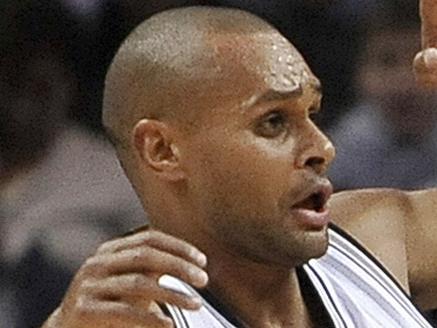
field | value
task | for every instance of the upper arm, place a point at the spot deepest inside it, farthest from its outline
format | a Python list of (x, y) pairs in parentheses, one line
[(376, 218), (400, 229), (422, 247)]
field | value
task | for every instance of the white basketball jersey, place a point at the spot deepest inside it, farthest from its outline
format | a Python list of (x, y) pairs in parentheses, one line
[(354, 288)]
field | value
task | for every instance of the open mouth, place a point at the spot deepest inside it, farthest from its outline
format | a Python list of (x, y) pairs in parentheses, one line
[(311, 212), (315, 202)]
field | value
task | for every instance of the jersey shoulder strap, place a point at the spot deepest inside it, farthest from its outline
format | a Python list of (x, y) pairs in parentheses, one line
[(357, 290), (206, 316)]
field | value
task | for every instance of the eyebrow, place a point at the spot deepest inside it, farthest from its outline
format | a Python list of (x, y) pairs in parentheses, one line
[(283, 95), (277, 95)]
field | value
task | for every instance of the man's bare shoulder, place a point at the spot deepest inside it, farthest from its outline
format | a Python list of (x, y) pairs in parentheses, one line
[(421, 244), (376, 218), (353, 208), (423, 198)]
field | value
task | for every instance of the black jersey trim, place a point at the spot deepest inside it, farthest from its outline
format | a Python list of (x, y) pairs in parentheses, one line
[(361, 248), (308, 286), (183, 318), (175, 314), (325, 288), (380, 280), (218, 306)]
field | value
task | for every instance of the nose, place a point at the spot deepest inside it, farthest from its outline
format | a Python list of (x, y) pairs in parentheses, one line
[(317, 151)]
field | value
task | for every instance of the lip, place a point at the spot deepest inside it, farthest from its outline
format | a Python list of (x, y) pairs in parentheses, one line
[(310, 219), (313, 219)]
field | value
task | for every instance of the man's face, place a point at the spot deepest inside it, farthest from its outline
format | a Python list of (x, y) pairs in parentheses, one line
[(256, 162)]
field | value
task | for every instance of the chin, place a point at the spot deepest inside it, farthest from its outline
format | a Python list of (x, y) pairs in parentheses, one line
[(321, 250), (292, 250), (312, 245)]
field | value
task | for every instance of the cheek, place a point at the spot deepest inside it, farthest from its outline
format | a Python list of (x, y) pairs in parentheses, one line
[(248, 176)]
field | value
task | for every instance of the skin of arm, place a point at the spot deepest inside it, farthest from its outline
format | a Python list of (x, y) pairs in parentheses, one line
[(400, 229), (422, 247), (425, 62)]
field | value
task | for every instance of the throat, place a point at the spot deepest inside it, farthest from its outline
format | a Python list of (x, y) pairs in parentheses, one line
[(299, 306)]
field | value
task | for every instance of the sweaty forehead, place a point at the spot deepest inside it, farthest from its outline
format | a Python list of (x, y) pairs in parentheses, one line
[(268, 55)]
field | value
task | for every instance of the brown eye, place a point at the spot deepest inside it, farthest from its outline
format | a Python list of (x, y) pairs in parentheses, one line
[(272, 125)]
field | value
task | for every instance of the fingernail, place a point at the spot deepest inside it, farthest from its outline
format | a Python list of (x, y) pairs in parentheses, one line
[(203, 278), (197, 301), (201, 258), (200, 277)]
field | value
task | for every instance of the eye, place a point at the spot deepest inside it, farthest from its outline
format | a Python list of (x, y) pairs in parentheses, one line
[(272, 124)]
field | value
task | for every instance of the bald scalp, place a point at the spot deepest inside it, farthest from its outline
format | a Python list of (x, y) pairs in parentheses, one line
[(175, 75), (169, 64)]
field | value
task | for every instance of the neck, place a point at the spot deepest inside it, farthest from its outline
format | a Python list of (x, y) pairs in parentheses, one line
[(259, 295)]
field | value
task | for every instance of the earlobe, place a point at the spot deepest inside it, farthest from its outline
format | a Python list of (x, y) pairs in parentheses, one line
[(156, 149)]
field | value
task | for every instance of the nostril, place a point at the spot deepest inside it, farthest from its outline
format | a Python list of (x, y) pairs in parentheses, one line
[(316, 163)]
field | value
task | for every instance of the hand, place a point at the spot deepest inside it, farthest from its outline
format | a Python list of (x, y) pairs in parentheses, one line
[(118, 286), (425, 62)]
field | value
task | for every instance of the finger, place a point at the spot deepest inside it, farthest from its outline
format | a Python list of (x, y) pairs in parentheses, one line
[(159, 240), (118, 314), (145, 260), (425, 67), (428, 13), (138, 289)]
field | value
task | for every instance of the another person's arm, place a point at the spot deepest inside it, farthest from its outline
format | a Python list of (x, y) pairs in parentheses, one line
[(422, 224), (400, 229), (425, 62), (422, 247), (118, 286)]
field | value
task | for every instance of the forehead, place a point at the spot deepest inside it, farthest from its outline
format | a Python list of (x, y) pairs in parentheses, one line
[(266, 56)]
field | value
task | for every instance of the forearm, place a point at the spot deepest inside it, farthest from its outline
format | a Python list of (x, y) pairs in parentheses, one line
[(428, 14)]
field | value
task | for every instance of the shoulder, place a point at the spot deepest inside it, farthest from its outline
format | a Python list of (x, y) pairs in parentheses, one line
[(376, 218), (421, 243), (399, 228), (355, 210)]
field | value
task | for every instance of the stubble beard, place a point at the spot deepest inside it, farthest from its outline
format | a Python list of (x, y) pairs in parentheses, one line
[(269, 245)]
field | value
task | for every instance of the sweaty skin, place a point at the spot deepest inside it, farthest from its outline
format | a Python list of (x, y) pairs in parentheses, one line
[(425, 62), (399, 228), (216, 137)]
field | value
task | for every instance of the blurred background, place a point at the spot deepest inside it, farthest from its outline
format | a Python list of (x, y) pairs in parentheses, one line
[(62, 191)]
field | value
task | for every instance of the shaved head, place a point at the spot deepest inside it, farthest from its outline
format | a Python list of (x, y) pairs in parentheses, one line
[(209, 109), (173, 74), (160, 65), (172, 61)]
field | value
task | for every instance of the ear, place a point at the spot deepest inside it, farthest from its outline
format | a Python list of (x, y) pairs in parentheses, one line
[(155, 146)]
